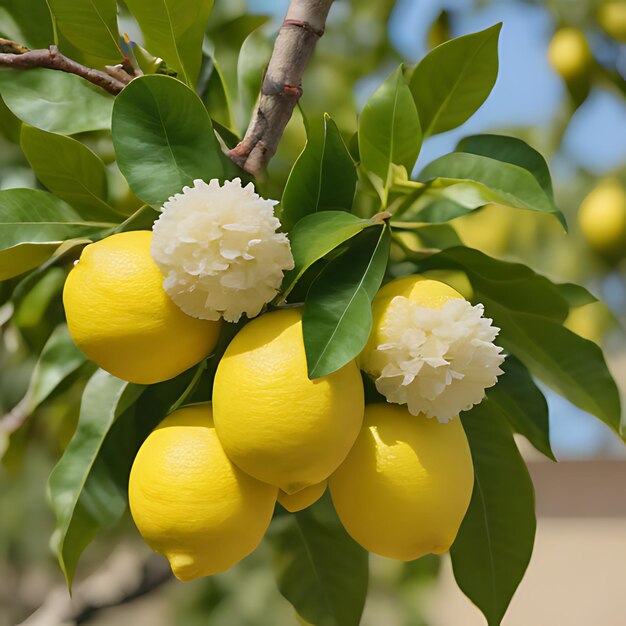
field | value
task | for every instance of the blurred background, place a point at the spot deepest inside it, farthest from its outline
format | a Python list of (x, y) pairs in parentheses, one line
[(561, 89)]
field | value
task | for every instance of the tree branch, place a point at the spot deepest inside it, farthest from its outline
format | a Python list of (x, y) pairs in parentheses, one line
[(282, 84), (15, 55)]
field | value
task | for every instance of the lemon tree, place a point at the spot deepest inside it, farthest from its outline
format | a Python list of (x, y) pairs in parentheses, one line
[(312, 360)]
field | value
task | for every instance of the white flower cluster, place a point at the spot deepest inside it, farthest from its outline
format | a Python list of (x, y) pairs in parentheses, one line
[(219, 251), (437, 361)]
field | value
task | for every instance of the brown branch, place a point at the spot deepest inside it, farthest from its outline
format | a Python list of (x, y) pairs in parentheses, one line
[(15, 55), (282, 84)]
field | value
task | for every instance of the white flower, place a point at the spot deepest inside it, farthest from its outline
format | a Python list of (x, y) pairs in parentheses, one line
[(219, 251), (436, 361)]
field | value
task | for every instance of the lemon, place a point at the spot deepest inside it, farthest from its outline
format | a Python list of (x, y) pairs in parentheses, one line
[(569, 53), (190, 503), (403, 490), (423, 291), (612, 18), (303, 498), (602, 219), (275, 423), (120, 316)]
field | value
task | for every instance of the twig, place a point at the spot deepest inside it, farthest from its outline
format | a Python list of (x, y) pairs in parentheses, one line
[(14, 55), (281, 88)]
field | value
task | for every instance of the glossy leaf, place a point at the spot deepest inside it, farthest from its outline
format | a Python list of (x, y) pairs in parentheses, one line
[(510, 150), (174, 30), (216, 99), (530, 310), (452, 81), (521, 402), (70, 170), (474, 180), (83, 499), (33, 224), (59, 358), (253, 57), (55, 101), (90, 26), (323, 177), (495, 541), (389, 128), (30, 22), (163, 138), (315, 236), (337, 314), (319, 568)]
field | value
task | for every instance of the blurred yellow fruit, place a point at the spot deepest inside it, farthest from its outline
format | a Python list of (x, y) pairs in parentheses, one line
[(119, 315), (602, 219), (423, 291), (403, 490), (188, 500), (275, 423), (303, 498), (569, 53), (612, 18), (591, 321), (489, 229)]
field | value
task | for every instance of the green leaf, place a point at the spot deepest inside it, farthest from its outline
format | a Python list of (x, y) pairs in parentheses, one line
[(29, 23), (495, 541), (55, 101), (216, 98), (521, 402), (70, 170), (83, 497), (59, 358), (389, 128), (337, 314), (575, 295), (33, 224), (474, 180), (510, 150), (254, 56), (323, 177), (319, 568), (174, 30), (530, 310), (90, 26), (89, 485), (452, 81), (163, 138)]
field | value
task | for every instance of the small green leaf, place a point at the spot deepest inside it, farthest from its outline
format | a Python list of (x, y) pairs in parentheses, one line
[(521, 402), (55, 101), (319, 568), (323, 177), (90, 26), (34, 224), (452, 81), (510, 150), (163, 138), (59, 358), (337, 314), (254, 56), (575, 295), (474, 180), (174, 30), (29, 23), (84, 499), (315, 236), (495, 541), (216, 98), (70, 170), (389, 129)]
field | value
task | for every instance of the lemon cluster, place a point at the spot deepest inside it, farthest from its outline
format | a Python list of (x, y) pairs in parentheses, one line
[(204, 484)]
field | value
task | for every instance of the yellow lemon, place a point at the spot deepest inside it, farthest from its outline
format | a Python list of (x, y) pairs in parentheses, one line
[(423, 291), (275, 423), (569, 53), (120, 316), (602, 219), (189, 501), (303, 498), (404, 489), (612, 17)]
